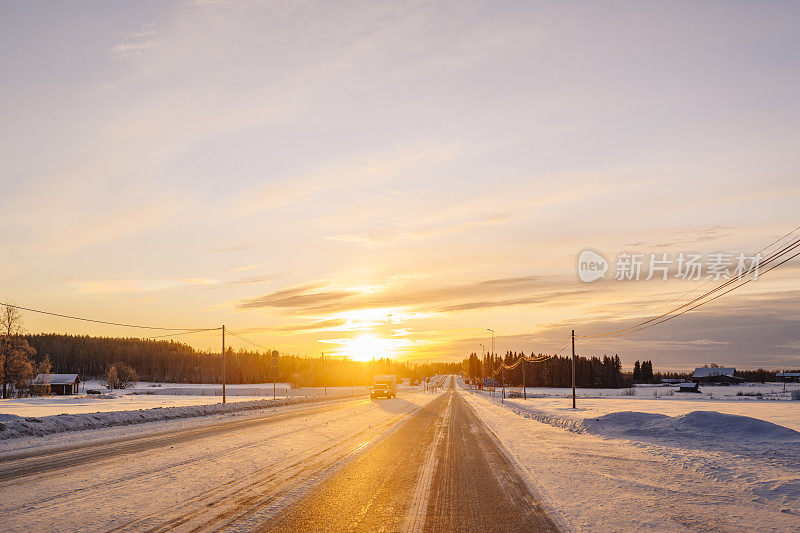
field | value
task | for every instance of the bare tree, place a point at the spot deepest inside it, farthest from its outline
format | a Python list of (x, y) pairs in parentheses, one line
[(41, 387), (120, 376), (16, 355), (111, 379)]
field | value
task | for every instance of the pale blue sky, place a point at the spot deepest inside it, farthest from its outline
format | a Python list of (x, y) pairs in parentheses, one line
[(177, 162)]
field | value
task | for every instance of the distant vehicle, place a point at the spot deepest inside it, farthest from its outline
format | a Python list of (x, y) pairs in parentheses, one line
[(385, 386)]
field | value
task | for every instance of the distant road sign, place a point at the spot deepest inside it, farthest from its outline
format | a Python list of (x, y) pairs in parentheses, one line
[(490, 382)]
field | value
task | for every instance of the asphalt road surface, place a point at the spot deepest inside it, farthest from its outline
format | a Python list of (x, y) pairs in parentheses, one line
[(420, 462), (442, 470)]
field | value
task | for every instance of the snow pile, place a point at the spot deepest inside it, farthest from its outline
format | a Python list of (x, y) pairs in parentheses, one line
[(12, 426), (635, 471), (688, 429), (703, 430), (697, 425)]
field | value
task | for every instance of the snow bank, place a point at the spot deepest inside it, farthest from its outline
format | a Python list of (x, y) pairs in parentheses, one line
[(697, 425), (635, 471), (12, 426), (703, 430), (688, 428), (697, 430)]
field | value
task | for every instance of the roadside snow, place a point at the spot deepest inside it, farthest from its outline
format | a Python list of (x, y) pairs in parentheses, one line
[(13, 426), (593, 403), (625, 470), (152, 395)]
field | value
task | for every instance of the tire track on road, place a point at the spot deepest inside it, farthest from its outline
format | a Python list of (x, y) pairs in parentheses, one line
[(25, 464), (240, 498)]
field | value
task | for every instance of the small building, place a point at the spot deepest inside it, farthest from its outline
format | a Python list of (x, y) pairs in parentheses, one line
[(716, 375), (60, 384), (688, 387), (788, 376)]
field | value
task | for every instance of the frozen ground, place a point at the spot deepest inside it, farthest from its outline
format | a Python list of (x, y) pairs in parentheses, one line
[(684, 464), (153, 395)]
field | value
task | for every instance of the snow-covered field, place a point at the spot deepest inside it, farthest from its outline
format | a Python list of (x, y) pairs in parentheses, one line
[(592, 403), (622, 463), (744, 392), (153, 395), (147, 402)]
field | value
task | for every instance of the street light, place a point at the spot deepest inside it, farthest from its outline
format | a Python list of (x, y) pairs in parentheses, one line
[(490, 329), (483, 356)]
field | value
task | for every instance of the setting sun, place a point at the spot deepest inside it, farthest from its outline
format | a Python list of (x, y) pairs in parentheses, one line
[(368, 347)]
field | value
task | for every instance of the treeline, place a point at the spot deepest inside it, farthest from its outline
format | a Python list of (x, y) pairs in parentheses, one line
[(594, 372), (175, 362), (761, 375)]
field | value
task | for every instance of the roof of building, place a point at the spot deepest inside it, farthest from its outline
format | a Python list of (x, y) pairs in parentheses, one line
[(788, 374), (707, 372), (56, 379)]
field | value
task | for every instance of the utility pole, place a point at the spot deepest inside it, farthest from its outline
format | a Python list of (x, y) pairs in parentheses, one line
[(573, 369), (223, 363), (503, 378), (324, 377), (274, 371), (524, 381), (492, 356), (483, 363)]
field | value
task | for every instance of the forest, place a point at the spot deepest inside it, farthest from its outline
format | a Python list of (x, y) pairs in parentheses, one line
[(592, 372), (554, 372), (175, 362)]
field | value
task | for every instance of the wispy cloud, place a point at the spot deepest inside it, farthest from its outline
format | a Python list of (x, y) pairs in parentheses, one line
[(542, 298), (136, 42), (310, 296), (136, 285), (252, 280), (318, 325), (324, 297), (234, 248), (689, 237)]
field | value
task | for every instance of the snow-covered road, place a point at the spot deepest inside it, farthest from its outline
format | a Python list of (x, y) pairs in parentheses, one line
[(204, 473), (450, 460), (420, 462)]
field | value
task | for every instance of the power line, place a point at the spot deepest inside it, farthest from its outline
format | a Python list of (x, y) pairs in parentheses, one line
[(246, 340), (710, 281), (699, 301), (639, 326), (711, 299), (139, 326), (184, 333)]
